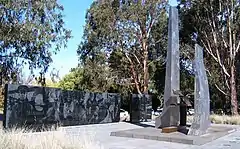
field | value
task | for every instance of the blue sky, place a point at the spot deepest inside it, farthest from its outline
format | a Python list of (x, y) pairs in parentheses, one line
[(74, 11)]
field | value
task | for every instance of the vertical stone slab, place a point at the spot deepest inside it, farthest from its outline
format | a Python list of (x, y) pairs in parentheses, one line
[(140, 108), (201, 120), (147, 107), (170, 115), (135, 108), (35, 107)]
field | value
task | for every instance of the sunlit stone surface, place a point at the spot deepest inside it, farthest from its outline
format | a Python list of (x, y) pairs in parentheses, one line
[(170, 115), (201, 120)]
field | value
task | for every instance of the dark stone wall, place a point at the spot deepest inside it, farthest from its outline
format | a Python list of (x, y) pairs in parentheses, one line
[(140, 108), (33, 105)]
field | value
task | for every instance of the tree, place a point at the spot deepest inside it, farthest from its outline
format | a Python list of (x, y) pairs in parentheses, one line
[(214, 24), (29, 30), (72, 80), (48, 83), (123, 30), (92, 77), (97, 76)]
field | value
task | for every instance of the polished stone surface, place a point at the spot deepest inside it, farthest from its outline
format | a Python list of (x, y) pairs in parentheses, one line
[(172, 78), (36, 106), (201, 121), (140, 108)]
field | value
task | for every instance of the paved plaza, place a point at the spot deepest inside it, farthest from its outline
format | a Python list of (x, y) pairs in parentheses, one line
[(101, 133)]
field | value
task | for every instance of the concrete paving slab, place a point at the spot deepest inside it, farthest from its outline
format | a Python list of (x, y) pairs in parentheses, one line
[(214, 132), (231, 141), (101, 134)]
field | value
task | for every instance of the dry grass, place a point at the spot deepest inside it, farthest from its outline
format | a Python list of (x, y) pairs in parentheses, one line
[(189, 119), (17, 139), (220, 119), (225, 119)]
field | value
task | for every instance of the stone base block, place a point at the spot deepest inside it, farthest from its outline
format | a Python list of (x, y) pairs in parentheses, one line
[(150, 133), (168, 118)]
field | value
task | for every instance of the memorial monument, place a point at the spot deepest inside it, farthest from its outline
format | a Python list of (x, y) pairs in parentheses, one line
[(173, 117), (170, 114), (35, 106), (201, 120)]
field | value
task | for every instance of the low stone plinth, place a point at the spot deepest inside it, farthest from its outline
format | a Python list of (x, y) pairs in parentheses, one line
[(214, 132)]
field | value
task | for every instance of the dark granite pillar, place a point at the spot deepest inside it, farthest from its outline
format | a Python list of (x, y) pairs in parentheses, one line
[(170, 114), (201, 121)]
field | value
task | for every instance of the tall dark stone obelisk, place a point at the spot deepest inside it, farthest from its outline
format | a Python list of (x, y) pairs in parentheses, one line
[(201, 121), (170, 114)]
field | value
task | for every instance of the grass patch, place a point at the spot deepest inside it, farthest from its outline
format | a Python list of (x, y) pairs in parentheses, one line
[(225, 119), (220, 119), (17, 139)]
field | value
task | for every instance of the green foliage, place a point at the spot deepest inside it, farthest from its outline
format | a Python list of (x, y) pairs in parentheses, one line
[(29, 29), (72, 80), (93, 77), (114, 37), (48, 83), (97, 77), (187, 81), (123, 32), (215, 25)]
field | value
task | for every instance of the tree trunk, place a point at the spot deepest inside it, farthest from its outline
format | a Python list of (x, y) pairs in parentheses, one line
[(234, 102), (135, 79), (134, 75), (145, 68)]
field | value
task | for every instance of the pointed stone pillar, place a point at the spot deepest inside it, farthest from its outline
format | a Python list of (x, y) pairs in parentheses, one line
[(201, 121), (170, 114)]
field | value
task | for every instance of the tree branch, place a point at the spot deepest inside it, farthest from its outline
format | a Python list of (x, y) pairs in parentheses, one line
[(217, 85), (134, 74), (237, 49), (214, 57)]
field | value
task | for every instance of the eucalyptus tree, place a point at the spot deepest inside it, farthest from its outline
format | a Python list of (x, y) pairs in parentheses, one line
[(215, 25), (123, 31), (31, 32)]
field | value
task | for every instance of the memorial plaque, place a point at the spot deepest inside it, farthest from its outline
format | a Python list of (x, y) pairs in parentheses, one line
[(201, 121)]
